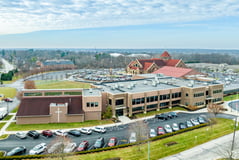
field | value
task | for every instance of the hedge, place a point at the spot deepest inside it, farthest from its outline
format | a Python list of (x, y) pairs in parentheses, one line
[(106, 148)]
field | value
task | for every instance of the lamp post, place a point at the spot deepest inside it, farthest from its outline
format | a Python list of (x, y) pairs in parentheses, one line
[(148, 148), (233, 139)]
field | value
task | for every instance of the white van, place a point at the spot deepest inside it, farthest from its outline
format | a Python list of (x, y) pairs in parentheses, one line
[(3, 112), (132, 137)]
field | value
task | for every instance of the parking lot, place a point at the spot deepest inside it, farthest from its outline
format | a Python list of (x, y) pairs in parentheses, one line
[(121, 132)]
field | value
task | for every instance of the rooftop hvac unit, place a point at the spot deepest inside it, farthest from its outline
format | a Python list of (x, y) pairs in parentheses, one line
[(129, 87), (145, 82), (90, 90)]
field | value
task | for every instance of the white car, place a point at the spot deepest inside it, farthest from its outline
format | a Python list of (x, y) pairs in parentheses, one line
[(60, 133), (175, 127), (152, 133), (21, 135), (85, 130), (195, 122), (99, 129), (167, 128), (132, 137), (40, 148), (70, 147)]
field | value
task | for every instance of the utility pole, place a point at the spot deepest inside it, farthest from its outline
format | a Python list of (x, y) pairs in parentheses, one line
[(233, 139)]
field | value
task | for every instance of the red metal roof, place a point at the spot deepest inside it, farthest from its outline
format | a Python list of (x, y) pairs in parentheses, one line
[(173, 71)]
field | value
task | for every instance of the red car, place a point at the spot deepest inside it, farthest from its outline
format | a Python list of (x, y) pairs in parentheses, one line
[(112, 141), (8, 100), (160, 130), (47, 133), (83, 146)]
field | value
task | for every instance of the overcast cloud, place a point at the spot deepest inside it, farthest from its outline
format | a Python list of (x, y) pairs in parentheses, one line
[(21, 16)]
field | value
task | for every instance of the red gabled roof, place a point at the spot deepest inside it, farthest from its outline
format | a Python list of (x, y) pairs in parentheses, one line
[(172, 62), (147, 65), (145, 62), (165, 54), (173, 71)]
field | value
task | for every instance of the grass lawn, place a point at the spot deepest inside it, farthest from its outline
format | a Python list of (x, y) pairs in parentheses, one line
[(3, 137), (14, 110), (60, 84), (8, 91), (231, 97), (7, 117), (140, 115), (24, 127), (2, 124), (159, 150)]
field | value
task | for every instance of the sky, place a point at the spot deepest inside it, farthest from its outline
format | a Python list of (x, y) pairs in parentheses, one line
[(195, 24)]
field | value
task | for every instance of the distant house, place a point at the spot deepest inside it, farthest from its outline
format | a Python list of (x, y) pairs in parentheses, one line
[(57, 64), (143, 66), (177, 72)]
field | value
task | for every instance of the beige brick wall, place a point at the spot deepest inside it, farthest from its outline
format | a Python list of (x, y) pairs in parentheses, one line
[(33, 120), (92, 116), (91, 99)]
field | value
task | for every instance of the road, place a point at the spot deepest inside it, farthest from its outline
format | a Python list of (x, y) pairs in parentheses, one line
[(122, 133)]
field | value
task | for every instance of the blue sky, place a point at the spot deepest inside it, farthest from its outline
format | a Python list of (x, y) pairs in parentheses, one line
[(208, 24)]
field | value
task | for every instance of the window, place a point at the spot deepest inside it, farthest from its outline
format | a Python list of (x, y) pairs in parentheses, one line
[(138, 109), (216, 99), (199, 103), (176, 95), (87, 104), (186, 94), (53, 93), (92, 104), (96, 104), (164, 104), (110, 101), (199, 94), (165, 96), (154, 106), (72, 93), (137, 101), (217, 91), (152, 99), (33, 94), (119, 102)]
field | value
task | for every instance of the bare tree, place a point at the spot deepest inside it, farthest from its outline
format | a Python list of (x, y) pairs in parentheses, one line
[(215, 109), (57, 146), (29, 85), (142, 131)]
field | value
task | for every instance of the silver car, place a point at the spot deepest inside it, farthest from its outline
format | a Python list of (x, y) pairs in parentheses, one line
[(21, 135), (40, 148), (167, 128), (152, 133)]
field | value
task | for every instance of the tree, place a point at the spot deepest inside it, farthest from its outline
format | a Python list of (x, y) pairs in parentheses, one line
[(108, 113), (214, 109), (142, 131), (29, 85)]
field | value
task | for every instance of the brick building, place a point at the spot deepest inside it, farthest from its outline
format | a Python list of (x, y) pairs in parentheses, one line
[(143, 66)]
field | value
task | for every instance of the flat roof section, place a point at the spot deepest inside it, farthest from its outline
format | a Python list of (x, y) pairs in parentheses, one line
[(91, 92)]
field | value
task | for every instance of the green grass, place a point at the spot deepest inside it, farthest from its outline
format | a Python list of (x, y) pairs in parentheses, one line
[(3, 137), (21, 127), (2, 124), (8, 117), (14, 110), (60, 84), (8, 91), (159, 150), (231, 97), (140, 115)]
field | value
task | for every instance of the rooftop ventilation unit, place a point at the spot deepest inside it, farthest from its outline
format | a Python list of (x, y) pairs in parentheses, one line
[(129, 87), (154, 84), (145, 82), (90, 90)]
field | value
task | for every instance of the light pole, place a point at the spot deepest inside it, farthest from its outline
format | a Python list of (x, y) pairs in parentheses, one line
[(148, 149), (233, 139)]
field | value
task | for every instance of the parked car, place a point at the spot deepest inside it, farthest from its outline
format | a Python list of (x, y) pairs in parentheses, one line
[(160, 130), (47, 133), (60, 133), (189, 124), (182, 125), (99, 143), (172, 114), (175, 127), (38, 149), (55, 147), (161, 116), (8, 100), (112, 141), (85, 130), (74, 132), (132, 137), (21, 135), (34, 134), (152, 133), (3, 112), (17, 151), (201, 120), (83, 146), (99, 129), (167, 128), (195, 121), (70, 147)]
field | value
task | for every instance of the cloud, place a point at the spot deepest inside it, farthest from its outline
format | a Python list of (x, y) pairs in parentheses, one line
[(21, 16)]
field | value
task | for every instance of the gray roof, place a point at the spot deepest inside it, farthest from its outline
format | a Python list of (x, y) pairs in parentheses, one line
[(58, 62), (91, 92)]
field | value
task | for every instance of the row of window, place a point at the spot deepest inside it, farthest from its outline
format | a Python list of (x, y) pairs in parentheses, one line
[(217, 91), (51, 93), (92, 104), (199, 94), (199, 103), (217, 99)]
